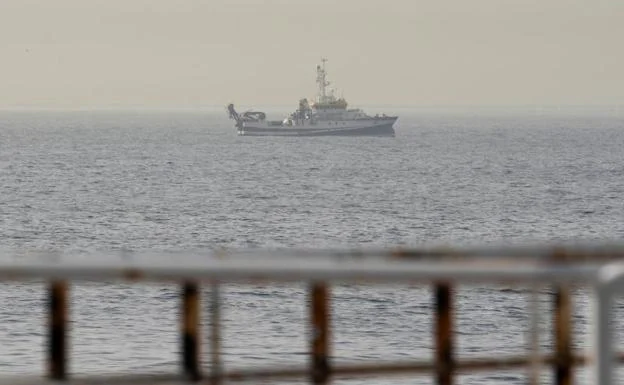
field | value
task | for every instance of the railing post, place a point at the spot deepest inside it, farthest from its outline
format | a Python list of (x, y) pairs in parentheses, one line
[(609, 283), (320, 317), (57, 331), (602, 334), (563, 335), (215, 335), (444, 334), (190, 330), (534, 336), (562, 329)]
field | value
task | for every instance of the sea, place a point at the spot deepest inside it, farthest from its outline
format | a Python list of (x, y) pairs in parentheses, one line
[(92, 182)]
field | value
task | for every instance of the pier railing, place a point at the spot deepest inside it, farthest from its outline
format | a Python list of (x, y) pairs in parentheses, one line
[(600, 268)]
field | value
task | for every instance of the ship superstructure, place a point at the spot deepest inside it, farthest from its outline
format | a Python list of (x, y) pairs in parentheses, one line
[(328, 115)]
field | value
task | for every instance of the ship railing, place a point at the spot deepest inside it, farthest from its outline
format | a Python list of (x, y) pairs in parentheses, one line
[(599, 268)]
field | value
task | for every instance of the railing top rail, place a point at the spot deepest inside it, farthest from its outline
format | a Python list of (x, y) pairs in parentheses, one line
[(546, 252), (568, 252), (215, 266)]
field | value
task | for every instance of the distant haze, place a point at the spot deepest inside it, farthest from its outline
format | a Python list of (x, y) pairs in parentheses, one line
[(190, 53)]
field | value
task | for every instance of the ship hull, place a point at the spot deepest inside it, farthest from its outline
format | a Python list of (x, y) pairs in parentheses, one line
[(381, 129)]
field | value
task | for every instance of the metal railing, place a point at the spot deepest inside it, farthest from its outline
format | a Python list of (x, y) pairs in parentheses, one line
[(598, 267)]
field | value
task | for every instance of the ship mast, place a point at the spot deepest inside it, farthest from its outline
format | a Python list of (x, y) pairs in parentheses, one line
[(322, 81), (325, 99)]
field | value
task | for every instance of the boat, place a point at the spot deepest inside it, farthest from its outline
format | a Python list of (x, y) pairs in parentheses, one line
[(326, 116)]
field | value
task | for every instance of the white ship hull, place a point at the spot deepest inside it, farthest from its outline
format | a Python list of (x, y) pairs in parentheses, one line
[(368, 127)]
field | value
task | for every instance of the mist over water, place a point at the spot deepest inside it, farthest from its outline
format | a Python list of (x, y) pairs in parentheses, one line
[(93, 181)]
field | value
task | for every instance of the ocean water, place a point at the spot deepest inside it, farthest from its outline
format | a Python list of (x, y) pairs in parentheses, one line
[(87, 182)]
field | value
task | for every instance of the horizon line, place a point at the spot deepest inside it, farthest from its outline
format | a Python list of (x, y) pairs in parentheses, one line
[(289, 106)]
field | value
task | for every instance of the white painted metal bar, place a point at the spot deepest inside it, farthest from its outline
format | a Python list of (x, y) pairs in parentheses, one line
[(531, 252), (609, 283), (592, 252), (603, 350), (322, 269)]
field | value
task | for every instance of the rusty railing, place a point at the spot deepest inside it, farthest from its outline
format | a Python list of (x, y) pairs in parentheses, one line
[(598, 267)]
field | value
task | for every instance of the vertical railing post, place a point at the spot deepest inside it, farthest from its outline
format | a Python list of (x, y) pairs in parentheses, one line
[(563, 335), (562, 328), (444, 334), (57, 331), (215, 335), (602, 333), (320, 346), (190, 331), (534, 336)]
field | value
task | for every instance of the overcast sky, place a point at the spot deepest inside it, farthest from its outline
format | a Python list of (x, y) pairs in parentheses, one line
[(191, 53)]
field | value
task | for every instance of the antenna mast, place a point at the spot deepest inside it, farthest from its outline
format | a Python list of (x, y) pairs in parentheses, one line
[(322, 81)]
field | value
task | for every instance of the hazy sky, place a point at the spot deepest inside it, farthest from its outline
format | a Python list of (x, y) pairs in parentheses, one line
[(190, 53)]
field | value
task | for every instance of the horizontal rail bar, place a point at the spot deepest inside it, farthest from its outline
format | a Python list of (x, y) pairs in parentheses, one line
[(212, 268), (465, 366), (564, 253), (598, 252)]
